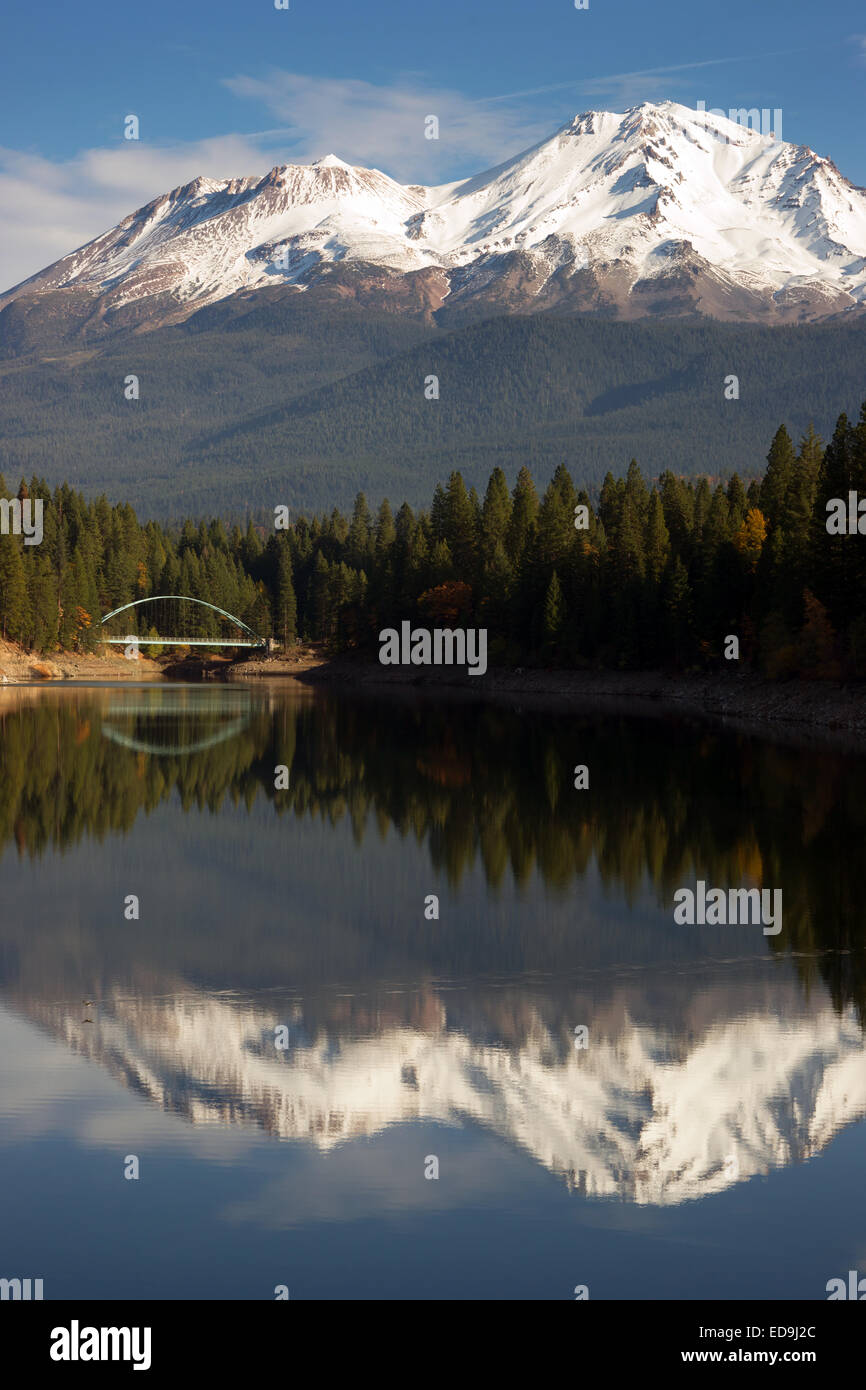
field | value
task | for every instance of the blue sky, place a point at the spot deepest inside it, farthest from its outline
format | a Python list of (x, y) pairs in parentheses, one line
[(227, 89)]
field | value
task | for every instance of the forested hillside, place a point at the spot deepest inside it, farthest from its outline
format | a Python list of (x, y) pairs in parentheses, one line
[(652, 575), (269, 399)]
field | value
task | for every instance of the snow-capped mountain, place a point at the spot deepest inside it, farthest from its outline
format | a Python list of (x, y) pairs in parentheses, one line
[(660, 210)]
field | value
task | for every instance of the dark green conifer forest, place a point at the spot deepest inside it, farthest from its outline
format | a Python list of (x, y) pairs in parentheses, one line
[(655, 574)]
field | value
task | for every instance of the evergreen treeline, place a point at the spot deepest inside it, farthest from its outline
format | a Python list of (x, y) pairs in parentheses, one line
[(660, 574)]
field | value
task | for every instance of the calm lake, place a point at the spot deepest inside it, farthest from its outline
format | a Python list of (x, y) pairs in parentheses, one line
[(238, 990)]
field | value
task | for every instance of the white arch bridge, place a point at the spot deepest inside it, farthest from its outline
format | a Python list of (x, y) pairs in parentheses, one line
[(188, 622)]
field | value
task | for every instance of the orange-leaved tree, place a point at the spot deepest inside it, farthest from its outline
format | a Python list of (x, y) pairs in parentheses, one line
[(447, 603)]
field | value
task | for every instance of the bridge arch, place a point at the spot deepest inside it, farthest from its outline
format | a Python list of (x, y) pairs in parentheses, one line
[(251, 639)]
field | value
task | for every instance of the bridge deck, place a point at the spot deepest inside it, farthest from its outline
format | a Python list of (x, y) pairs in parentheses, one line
[(179, 642)]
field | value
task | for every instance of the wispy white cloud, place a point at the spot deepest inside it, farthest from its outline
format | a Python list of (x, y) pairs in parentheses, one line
[(629, 88), (384, 125), (611, 80), (49, 208)]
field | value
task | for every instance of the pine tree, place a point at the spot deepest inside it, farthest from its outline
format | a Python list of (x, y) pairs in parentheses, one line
[(736, 502), (636, 492), (44, 612), (14, 599), (405, 527), (419, 575), (285, 602), (339, 597), (524, 513), (796, 518), (495, 514), (438, 514), (319, 598), (781, 464), (359, 542), (553, 617), (715, 575), (703, 501), (441, 566), (832, 557), (628, 557), (658, 542), (252, 547), (676, 605), (460, 528), (679, 508), (556, 533), (386, 532), (497, 590), (257, 615), (610, 505)]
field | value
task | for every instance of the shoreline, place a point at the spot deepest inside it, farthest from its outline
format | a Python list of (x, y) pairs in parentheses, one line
[(746, 698), (823, 705)]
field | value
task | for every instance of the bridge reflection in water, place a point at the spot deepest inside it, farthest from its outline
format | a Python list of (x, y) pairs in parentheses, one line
[(168, 722)]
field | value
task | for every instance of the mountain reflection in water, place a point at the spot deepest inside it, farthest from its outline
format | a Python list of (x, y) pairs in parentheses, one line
[(714, 1054)]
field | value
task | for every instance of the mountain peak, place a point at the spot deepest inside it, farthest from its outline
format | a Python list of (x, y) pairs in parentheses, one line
[(660, 209), (330, 161)]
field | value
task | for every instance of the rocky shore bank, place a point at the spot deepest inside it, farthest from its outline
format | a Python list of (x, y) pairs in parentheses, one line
[(18, 667)]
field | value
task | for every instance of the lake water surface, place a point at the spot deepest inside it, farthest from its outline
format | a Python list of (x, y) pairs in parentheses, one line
[(707, 1142)]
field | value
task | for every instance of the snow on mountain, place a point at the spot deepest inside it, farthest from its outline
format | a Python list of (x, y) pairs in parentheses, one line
[(651, 188), (643, 1115), (662, 209), (206, 240)]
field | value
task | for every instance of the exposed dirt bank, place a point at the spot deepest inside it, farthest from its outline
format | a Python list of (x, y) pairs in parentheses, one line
[(17, 666)]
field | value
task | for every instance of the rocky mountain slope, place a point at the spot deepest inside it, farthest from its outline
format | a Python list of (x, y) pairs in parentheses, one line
[(662, 210)]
